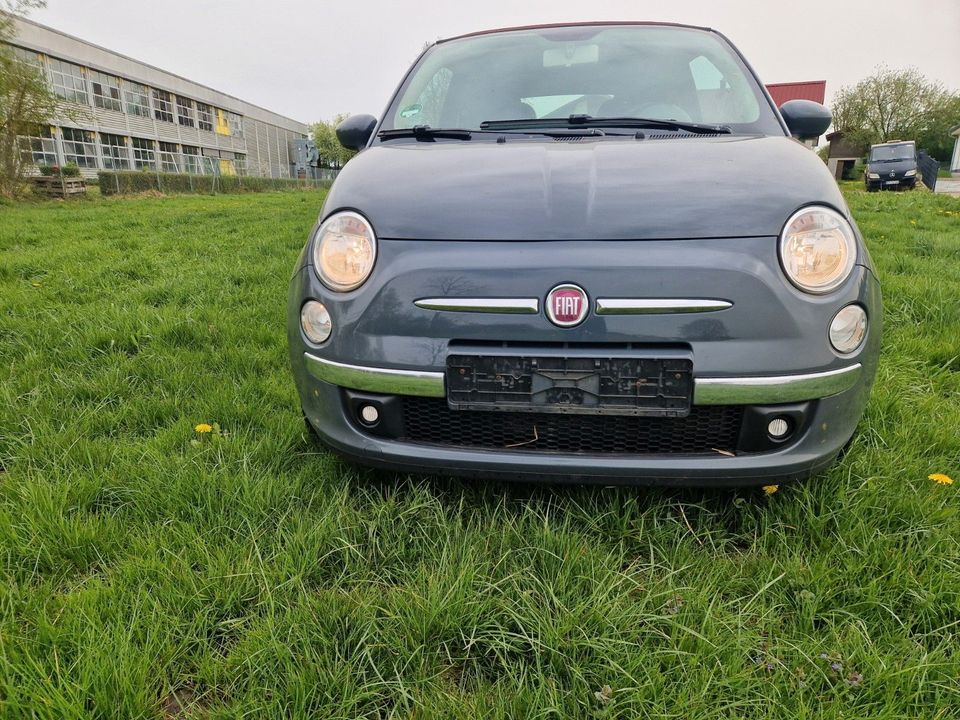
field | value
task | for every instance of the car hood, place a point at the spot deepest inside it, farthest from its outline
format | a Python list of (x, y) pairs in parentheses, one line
[(583, 190)]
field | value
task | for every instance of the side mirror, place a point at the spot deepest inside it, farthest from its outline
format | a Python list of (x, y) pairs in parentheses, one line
[(354, 132), (805, 119)]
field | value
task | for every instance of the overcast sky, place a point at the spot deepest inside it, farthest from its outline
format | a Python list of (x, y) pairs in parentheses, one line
[(310, 59)]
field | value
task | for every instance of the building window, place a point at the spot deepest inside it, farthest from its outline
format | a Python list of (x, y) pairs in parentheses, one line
[(113, 152), (191, 160), (106, 90), (162, 105), (240, 162), (68, 82), (236, 124), (185, 111), (204, 117), (42, 147), (223, 127), (79, 148), (144, 154), (30, 57), (168, 158), (135, 99)]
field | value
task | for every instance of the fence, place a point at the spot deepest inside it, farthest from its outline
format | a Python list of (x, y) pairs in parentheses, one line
[(126, 182), (928, 170)]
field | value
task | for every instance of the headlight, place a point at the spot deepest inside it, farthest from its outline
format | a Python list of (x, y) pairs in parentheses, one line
[(344, 250), (873, 176), (910, 173), (817, 249)]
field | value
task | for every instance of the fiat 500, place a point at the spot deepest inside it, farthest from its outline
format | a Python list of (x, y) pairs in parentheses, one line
[(592, 253)]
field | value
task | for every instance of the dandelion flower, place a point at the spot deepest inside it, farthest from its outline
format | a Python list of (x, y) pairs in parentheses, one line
[(204, 428), (770, 489), (941, 479)]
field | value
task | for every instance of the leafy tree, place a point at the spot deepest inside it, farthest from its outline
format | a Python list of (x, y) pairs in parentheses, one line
[(332, 153), (26, 102), (897, 105), (935, 138), (9, 8)]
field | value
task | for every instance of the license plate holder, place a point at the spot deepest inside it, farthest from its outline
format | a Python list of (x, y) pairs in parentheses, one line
[(647, 386)]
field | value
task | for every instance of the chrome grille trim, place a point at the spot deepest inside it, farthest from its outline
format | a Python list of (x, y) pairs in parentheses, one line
[(507, 306)]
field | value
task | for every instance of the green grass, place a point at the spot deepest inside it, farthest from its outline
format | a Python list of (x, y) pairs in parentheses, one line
[(252, 575)]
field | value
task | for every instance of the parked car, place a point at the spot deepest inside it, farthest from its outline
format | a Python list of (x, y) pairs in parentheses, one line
[(589, 253), (891, 166)]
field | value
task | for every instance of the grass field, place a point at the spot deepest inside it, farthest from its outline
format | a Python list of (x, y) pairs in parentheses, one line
[(152, 571)]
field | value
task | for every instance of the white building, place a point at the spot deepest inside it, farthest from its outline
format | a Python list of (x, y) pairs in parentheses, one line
[(128, 115), (955, 162)]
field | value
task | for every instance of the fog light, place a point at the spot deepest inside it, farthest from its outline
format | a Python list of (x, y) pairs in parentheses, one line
[(778, 427), (315, 321), (848, 329), (369, 414)]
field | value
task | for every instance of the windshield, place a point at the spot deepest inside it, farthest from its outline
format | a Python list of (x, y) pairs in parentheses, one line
[(657, 72), (890, 153)]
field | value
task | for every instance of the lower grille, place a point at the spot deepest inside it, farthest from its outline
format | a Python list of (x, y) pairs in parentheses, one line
[(704, 431)]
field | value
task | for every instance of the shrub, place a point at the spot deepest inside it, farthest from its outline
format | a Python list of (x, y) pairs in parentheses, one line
[(126, 182), (856, 172), (68, 170)]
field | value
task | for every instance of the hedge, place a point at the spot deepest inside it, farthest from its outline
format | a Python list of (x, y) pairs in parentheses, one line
[(125, 183)]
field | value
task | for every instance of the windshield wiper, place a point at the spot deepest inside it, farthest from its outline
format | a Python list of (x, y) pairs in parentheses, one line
[(425, 132), (574, 121)]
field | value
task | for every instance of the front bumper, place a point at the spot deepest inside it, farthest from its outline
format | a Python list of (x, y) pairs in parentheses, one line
[(891, 183), (830, 424), (768, 350), (766, 390)]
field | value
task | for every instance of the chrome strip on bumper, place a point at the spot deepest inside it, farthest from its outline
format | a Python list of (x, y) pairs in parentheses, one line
[(645, 306), (518, 306), (766, 390), (774, 389), (384, 380)]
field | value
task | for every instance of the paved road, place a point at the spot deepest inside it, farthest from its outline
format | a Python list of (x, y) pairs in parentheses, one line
[(949, 186)]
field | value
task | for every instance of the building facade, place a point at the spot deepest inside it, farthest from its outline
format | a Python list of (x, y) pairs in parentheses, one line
[(122, 114), (955, 160)]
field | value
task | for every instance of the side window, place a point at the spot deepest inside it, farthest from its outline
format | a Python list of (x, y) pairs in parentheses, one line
[(428, 106)]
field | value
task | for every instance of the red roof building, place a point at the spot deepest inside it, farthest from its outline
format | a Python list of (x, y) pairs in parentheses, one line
[(815, 90)]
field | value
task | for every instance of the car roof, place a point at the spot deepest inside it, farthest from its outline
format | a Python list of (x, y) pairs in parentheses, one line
[(595, 23), (895, 142)]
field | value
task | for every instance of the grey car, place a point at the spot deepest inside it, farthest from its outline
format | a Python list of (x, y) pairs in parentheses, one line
[(586, 253)]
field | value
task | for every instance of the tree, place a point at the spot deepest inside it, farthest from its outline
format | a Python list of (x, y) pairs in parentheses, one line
[(332, 153), (9, 8), (897, 105), (26, 102)]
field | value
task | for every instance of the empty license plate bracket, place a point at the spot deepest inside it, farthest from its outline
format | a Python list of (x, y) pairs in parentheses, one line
[(660, 387)]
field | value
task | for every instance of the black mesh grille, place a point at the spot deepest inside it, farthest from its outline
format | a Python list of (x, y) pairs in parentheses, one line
[(705, 430)]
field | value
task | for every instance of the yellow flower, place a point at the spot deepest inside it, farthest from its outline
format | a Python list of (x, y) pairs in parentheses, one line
[(770, 489), (203, 428), (941, 479)]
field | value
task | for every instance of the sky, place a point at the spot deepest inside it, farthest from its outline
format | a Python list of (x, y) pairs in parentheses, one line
[(312, 59)]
